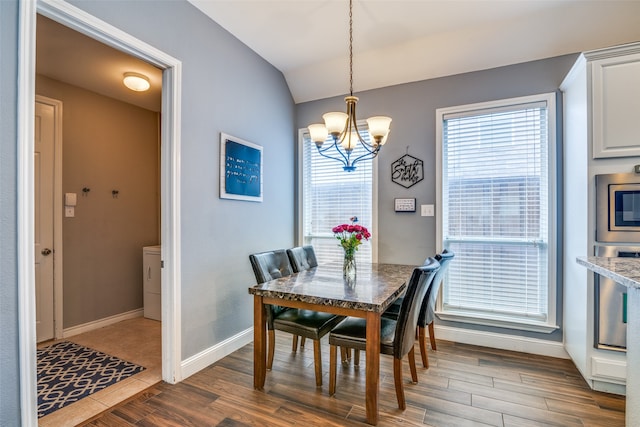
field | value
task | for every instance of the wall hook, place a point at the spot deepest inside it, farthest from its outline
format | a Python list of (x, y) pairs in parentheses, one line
[(85, 191), (114, 194)]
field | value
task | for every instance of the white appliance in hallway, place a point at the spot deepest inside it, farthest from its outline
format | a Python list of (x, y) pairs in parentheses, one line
[(151, 263)]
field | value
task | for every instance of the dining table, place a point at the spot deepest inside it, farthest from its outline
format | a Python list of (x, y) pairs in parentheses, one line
[(323, 288)]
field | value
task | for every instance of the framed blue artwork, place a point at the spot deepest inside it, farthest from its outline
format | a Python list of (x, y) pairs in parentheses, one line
[(240, 169)]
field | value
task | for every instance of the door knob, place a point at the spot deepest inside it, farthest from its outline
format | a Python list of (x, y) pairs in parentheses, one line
[(46, 251)]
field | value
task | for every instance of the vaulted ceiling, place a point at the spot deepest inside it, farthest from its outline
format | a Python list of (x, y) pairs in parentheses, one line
[(399, 41), (394, 41)]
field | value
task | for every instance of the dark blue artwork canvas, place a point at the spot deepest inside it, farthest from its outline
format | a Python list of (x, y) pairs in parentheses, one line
[(242, 169)]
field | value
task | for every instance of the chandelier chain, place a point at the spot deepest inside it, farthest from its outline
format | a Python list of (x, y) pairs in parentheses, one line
[(351, 47), (345, 136)]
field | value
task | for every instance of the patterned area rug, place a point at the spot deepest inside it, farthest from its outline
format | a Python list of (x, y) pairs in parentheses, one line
[(68, 372)]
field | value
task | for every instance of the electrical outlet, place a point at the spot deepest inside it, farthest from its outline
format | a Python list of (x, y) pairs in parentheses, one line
[(69, 212), (426, 210)]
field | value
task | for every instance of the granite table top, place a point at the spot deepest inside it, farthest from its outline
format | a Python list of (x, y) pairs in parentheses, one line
[(625, 271), (376, 287)]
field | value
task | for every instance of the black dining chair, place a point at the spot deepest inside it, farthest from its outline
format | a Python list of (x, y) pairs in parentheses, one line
[(305, 323), (302, 258), (427, 311), (396, 336)]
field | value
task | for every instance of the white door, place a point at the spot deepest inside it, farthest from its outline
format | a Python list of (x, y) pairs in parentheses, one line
[(44, 136)]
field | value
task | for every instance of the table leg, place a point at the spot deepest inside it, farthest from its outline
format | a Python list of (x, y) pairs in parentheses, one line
[(259, 343), (373, 366)]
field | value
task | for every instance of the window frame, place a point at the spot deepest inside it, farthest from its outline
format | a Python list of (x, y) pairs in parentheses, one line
[(373, 227), (550, 324)]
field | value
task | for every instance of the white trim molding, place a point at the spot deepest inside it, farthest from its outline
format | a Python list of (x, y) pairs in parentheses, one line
[(502, 341), (211, 355), (25, 213), (101, 323)]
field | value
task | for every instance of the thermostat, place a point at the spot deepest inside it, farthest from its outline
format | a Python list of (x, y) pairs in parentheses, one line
[(405, 205)]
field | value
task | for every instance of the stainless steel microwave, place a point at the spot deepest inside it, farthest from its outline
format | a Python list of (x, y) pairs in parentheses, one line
[(618, 208)]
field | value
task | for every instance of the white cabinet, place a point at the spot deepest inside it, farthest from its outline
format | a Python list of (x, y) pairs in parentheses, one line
[(599, 138), (615, 89), (151, 282)]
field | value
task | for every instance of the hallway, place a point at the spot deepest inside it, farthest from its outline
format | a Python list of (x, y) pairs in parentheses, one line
[(135, 340)]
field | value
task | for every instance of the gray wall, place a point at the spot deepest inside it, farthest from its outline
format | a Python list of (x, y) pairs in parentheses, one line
[(9, 357), (108, 145), (408, 237), (226, 87)]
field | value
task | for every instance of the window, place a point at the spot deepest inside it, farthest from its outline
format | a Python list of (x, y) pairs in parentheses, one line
[(330, 196), (497, 166)]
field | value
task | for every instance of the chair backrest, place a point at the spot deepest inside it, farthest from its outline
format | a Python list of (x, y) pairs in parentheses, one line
[(302, 258), (270, 265), (427, 311), (419, 285)]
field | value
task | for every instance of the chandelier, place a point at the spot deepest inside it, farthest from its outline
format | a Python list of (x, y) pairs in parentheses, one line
[(343, 127)]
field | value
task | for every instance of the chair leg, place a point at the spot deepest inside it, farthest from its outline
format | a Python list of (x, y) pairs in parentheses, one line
[(422, 341), (333, 361), (397, 377), (432, 336), (302, 340), (317, 360), (345, 355), (412, 365), (294, 345), (272, 348), (356, 357)]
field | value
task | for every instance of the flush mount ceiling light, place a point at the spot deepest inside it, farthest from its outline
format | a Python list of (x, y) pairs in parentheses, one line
[(136, 82), (343, 127)]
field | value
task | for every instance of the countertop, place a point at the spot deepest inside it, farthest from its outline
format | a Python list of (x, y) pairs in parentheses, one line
[(625, 271)]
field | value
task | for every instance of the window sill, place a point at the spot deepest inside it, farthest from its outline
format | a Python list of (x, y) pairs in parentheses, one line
[(497, 322)]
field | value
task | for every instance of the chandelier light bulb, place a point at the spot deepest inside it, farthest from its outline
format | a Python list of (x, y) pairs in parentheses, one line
[(335, 122), (378, 127), (318, 133)]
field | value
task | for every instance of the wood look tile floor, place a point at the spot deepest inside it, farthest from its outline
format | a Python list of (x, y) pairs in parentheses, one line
[(135, 340), (464, 386)]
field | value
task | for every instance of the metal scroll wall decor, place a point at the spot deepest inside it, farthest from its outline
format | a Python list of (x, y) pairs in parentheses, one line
[(407, 171)]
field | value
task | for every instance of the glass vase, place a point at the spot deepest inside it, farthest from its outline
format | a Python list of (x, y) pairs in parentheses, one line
[(349, 265)]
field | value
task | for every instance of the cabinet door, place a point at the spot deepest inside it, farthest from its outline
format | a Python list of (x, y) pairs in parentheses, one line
[(616, 106), (152, 272), (152, 284)]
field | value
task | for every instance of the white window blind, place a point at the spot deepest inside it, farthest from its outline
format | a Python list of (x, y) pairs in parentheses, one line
[(330, 196), (495, 201)]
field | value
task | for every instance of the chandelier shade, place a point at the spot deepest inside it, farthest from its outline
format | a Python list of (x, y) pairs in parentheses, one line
[(343, 127)]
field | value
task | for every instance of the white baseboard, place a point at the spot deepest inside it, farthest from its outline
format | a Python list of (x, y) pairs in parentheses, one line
[(101, 323), (502, 341), (608, 387), (211, 355), (607, 370)]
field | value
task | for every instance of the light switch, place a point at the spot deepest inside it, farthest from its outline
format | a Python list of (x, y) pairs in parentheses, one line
[(69, 211), (426, 210), (70, 199)]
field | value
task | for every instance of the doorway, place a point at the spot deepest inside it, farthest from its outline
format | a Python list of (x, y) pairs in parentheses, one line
[(111, 177), (80, 21)]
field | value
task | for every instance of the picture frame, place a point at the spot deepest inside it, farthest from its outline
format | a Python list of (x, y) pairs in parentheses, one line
[(240, 169)]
